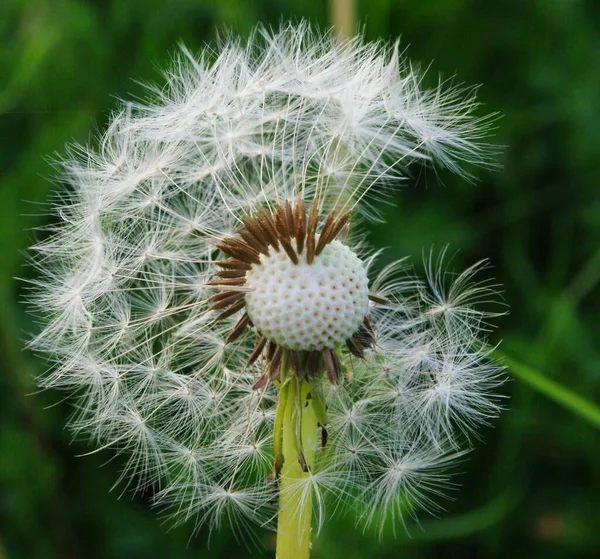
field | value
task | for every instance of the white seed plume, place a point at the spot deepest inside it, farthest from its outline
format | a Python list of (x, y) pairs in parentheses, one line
[(288, 117)]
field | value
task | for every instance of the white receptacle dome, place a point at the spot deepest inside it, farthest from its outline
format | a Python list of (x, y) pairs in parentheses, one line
[(308, 306)]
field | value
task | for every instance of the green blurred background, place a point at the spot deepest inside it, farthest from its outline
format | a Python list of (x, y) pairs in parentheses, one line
[(531, 488)]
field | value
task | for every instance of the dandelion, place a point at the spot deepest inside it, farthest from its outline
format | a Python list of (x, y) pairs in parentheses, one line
[(214, 312)]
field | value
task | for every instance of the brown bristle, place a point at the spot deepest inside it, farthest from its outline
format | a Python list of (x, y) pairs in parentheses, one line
[(281, 223), (300, 226), (289, 250), (333, 367), (222, 283), (235, 243), (237, 330), (312, 363), (274, 366), (271, 350), (223, 295), (324, 237), (233, 264), (231, 274), (233, 297), (365, 335), (278, 229), (231, 310), (339, 224), (355, 347), (262, 381), (378, 299), (368, 327), (253, 226), (252, 241), (295, 364), (258, 349), (268, 228), (289, 217), (240, 250), (249, 257), (313, 218), (362, 338)]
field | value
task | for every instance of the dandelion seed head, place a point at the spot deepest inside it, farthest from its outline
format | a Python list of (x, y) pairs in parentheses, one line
[(203, 248)]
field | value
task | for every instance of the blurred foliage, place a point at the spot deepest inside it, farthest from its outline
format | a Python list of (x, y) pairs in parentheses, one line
[(532, 488)]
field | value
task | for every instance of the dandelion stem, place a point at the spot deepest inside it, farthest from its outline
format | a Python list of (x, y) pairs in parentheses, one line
[(299, 434), (342, 14)]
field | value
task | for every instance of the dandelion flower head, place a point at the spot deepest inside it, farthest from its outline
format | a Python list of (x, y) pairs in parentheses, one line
[(206, 252)]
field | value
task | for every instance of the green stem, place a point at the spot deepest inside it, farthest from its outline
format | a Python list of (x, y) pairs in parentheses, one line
[(299, 435), (342, 14)]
